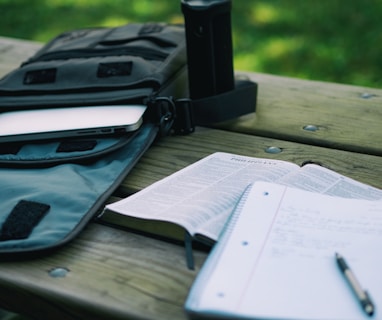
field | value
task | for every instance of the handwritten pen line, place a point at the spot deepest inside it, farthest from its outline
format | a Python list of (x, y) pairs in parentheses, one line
[(362, 295)]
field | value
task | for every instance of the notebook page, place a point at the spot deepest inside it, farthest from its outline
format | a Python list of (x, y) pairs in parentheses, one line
[(278, 261)]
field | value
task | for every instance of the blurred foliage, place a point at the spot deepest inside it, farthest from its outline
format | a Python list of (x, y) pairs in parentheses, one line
[(328, 40)]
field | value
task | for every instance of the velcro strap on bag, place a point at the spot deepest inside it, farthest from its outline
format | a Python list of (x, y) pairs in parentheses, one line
[(96, 66), (46, 203)]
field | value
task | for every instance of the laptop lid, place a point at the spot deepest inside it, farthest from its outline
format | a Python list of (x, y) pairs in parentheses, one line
[(42, 124)]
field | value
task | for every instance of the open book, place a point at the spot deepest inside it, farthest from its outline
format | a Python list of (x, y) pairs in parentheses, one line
[(276, 258), (201, 197)]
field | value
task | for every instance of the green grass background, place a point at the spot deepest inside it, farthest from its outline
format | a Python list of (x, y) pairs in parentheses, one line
[(328, 40)]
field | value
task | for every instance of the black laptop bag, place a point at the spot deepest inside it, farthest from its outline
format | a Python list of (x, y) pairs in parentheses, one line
[(52, 189)]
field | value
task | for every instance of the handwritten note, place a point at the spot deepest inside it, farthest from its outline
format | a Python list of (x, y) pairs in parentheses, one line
[(277, 259)]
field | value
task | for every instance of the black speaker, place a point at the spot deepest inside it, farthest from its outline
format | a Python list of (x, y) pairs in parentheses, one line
[(209, 47)]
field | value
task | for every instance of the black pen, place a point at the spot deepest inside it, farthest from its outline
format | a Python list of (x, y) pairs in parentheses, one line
[(362, 295)]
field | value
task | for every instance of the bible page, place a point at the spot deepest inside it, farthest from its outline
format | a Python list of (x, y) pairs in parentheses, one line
[(315, 178), (201, 196)]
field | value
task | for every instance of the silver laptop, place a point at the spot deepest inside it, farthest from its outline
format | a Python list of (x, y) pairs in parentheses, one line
[(42, 124)]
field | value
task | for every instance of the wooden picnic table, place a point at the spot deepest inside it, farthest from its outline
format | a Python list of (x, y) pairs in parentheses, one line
[(108, 273)]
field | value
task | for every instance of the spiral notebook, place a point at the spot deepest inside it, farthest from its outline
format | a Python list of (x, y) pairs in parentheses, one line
[(276, 258)]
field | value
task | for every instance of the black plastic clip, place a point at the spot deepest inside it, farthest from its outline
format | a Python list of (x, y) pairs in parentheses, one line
[(164, 113), (172, 116)]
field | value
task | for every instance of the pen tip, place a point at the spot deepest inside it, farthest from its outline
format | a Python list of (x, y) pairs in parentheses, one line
[(368, 305), (369, 310)]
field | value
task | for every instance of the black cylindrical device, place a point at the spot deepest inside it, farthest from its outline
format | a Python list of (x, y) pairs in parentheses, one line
[(209, 46)]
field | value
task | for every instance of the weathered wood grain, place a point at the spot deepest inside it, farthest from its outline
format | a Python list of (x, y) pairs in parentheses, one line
[(15, 51), (111, 274), (173, 153), (346, 117)]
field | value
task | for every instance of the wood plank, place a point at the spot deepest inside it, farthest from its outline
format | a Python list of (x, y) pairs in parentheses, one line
[(173, 153), (15, 51), (112, 274), (347, 117)]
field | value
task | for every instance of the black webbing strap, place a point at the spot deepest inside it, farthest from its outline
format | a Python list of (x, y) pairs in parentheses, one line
[(217, 108), (228, 105), (183, 115)]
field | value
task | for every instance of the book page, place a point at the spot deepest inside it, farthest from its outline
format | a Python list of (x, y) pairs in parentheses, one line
[(278, 259), (201, 196), (315, 178)]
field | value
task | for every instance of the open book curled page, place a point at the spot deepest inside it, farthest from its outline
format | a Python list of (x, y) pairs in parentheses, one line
[(201, 197), (276, 258)]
